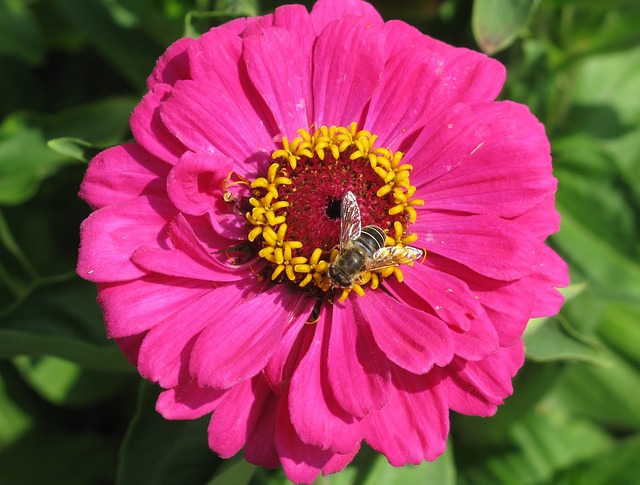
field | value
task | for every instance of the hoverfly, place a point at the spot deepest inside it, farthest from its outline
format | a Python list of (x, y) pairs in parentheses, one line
[(363, 249)]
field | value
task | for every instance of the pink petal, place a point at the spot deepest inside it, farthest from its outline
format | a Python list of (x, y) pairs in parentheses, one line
[(247, 414), (507, 175), (551, 273), (130, 346), (447, 295), (443, 145), (286, 99), (316, 417), (412, 339), (508, 304), (476, 337), (188, 401), (414, 424), (110, 235), (166, 349), (481, 386), (347, 59), (238, 343), (301, 462), (221, 111), (401, 101), (489, 245), (123, 173), (543, 219), (356, 368), (132, 307), (197, 180), (326, 11), (225, 123), (467, 76), (189, 258), (338, 462), (229, 425), (172, 65), (149, 130), (260, 449), (292, 346)]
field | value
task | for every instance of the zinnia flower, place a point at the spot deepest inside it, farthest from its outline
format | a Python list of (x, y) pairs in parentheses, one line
[(213, 233)]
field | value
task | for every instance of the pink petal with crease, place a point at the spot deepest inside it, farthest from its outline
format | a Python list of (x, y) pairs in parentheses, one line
[(357, 370), (488, 245), (400, 101), (189, 258), (412, 339), (197, 181), (327, 11), (110, 236), (316, 417), (346, 72), (166, 350), (134, 306), (292, 346), (225, 123), (150, 131), (414, 424), (286, 99), (260, 449), (123, 173), (240, 416), (188, 401), (172, 65), (239, 343)]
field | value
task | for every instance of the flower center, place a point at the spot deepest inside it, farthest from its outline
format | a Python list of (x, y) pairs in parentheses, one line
[(296, 207)]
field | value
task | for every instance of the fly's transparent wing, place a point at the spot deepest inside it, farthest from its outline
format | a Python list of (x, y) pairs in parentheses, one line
[(393, 256), (350, 224)]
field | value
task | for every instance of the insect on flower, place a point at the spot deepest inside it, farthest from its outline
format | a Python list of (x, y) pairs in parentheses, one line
[(363, 248)]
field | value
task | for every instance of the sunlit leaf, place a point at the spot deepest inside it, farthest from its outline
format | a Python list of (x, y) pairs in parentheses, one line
[(606, 394), (497, 23), (26, 159), (556, 339), (68, 384), (539, 446), (619, 466), (620, 328)]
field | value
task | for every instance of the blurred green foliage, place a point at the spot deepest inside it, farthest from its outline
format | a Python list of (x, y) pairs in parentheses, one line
[(73, 411)]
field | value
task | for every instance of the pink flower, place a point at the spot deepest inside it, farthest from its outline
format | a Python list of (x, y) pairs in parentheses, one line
[(213, 232)]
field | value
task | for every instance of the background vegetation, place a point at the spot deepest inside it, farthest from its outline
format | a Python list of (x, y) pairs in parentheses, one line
[(73, 411)]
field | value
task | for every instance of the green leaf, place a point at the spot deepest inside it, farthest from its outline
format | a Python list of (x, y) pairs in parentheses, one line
[(620, 328), (442, 471), (234, 470), (25, 157), (497, 23), (158, 451), (14, 420), (552, 339), (72, 147), (619, 466), (539, 446), (19, 32), (65, 383), (611, 272), (606, 394), (25, 160), (60, 318)]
